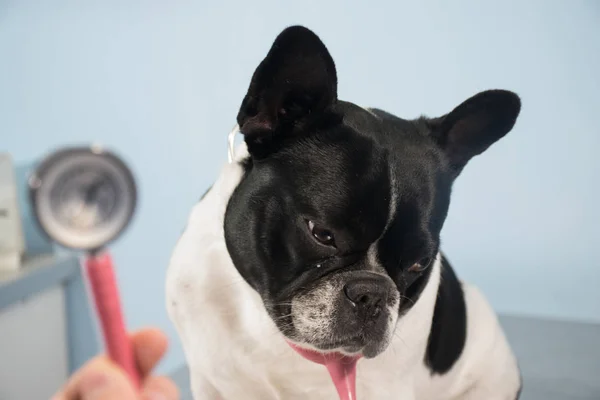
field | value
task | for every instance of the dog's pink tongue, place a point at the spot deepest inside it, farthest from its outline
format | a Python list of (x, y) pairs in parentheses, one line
[(342, 369)]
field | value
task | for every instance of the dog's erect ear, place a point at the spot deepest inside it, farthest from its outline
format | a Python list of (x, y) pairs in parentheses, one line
[(296, 80), (475, 125)]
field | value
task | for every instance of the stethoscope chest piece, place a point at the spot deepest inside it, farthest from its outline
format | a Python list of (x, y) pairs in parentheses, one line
[(83, 197)]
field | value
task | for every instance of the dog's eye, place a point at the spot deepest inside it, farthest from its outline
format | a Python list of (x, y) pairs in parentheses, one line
[(421, 265), (322, 235)]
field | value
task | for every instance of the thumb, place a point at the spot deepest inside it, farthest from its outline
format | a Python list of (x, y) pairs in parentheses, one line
[(106, 383), (99, 380)]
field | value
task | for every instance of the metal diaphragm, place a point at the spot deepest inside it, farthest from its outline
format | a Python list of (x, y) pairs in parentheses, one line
[(83, 197)]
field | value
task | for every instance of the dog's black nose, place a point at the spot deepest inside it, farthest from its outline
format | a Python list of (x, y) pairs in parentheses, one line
[(367, 295)]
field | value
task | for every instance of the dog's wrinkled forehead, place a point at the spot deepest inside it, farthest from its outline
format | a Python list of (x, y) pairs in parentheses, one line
[(337, 176), (354, 174)]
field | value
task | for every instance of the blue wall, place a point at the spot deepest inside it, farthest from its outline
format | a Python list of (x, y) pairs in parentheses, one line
[(160, 82)]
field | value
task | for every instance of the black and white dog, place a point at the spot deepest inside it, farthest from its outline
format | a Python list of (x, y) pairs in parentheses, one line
[(325, 232)]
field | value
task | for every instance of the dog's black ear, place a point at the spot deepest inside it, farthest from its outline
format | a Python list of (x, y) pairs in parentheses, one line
[(475, 125), (296, 80)]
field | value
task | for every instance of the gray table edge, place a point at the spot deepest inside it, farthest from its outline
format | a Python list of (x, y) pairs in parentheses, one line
[(36, 275)]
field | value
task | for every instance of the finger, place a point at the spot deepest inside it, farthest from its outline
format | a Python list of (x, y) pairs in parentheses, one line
[(99, 379), (159, 388), (149, 346)]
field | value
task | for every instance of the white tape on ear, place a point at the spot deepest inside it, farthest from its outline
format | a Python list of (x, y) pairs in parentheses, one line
[(230, 143)]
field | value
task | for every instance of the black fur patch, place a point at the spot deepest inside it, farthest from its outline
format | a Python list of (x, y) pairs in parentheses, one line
[(449, 325)]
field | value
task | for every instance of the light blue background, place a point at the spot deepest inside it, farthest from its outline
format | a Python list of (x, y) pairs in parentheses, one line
[(160, 82)]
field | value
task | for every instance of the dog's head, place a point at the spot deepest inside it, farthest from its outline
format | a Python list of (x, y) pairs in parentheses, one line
[(338, 217)]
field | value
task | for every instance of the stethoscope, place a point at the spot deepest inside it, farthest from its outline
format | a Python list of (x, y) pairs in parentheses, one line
[(83, 198)]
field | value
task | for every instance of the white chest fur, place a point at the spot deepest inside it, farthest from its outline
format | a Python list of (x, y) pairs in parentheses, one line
[(234, 350)]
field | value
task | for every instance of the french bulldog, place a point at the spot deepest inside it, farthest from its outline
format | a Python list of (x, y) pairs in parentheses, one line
[(323, 235)]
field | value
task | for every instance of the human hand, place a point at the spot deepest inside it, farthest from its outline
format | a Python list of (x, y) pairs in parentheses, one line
[(101, 379)]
